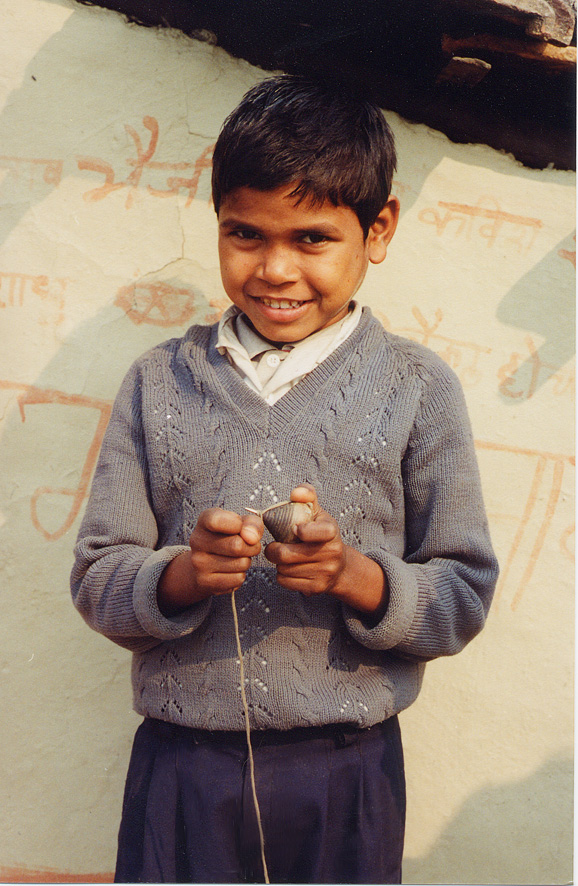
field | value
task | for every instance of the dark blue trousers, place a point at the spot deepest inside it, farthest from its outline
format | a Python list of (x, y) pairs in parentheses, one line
[(332, 802)]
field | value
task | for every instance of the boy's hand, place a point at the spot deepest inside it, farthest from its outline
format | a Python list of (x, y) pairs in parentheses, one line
[(314, 563), (320, 563), (222, 546)]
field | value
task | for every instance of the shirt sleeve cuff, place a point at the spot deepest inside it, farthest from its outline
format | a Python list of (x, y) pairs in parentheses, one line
[(146, 605), (392, 628)]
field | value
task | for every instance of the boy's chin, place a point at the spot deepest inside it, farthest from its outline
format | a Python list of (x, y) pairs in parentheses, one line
[(291, 331), (283, 331), (281, 335)]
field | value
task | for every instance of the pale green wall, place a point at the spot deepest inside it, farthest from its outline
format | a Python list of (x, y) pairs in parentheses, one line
[(481, 269)]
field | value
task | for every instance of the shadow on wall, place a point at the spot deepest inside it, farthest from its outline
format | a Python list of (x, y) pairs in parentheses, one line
[(514, 833), (541, 302), (81, 122)]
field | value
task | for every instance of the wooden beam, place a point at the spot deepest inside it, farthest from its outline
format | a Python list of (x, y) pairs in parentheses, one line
[(556, 58), (552, 20), (464, 71)]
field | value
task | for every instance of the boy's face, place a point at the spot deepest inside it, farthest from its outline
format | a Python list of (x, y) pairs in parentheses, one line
[(292, 267)]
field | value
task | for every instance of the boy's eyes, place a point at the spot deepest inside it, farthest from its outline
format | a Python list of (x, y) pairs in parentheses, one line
[(311, 238), (314, 237), (243, 234)]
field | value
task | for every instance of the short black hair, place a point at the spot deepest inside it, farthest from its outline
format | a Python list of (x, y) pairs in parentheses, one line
[(336, 145)]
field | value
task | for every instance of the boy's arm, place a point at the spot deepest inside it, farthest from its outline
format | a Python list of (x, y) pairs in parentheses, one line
[(440, 592), (117, 567)]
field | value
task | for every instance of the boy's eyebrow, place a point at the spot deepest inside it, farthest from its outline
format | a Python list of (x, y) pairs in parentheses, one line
[(314, 228), (235, 223), (319, 228)]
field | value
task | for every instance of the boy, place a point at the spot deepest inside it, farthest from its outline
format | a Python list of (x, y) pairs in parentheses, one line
[(298, 393)]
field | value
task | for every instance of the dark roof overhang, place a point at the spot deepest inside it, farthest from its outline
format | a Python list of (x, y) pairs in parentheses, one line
[(497, 72)]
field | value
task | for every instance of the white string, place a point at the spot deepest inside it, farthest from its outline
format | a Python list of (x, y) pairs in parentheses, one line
[(248, 733)]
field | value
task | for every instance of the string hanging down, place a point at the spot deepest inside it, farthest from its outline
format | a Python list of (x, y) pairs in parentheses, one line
[(248, 733)]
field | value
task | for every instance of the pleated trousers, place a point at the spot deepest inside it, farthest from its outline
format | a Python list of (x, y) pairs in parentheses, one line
[(332, 802)]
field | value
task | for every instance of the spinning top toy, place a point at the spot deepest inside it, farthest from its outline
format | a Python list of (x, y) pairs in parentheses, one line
[(282, 518)]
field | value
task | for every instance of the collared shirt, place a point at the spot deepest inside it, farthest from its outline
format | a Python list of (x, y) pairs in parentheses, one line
[(272, 371)]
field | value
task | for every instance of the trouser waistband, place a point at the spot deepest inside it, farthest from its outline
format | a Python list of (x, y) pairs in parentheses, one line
[(341, 733)]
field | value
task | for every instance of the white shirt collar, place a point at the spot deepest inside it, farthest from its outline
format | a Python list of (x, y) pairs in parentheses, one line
[(241, 343)]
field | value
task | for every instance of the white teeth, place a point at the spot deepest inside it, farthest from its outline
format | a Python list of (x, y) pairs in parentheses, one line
[(280, 305)]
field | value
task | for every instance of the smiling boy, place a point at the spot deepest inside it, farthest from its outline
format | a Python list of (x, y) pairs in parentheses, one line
[(291, 267), (298, 392)]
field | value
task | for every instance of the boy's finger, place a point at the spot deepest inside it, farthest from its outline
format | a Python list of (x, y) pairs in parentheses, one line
[(305, 492), (214, 543), (320, 530), (221, 521), (278, 553), (298, 553), (230, 565), (218, 573), (252, 529)]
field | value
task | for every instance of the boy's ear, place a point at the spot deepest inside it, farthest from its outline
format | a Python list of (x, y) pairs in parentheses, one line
[(382, 230)]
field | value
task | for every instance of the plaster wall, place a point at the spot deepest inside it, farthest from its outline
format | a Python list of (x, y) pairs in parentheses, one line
[(107, 246)]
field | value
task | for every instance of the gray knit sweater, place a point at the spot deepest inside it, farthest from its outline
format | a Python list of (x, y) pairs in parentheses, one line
[(381, 430)]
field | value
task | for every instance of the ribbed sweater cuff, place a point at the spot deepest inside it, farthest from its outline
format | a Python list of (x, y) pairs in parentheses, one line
[(145, 599), (403, 597)]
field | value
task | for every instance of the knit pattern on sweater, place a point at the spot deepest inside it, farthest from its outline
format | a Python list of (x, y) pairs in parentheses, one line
[(380, 429)]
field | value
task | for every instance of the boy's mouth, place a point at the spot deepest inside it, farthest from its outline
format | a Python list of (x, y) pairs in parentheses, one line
[(280, 304)]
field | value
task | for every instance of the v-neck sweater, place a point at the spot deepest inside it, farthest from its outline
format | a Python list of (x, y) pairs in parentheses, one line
[(380, 428)]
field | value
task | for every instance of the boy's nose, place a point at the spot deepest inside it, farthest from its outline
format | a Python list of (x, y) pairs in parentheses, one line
[(277, 266)]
